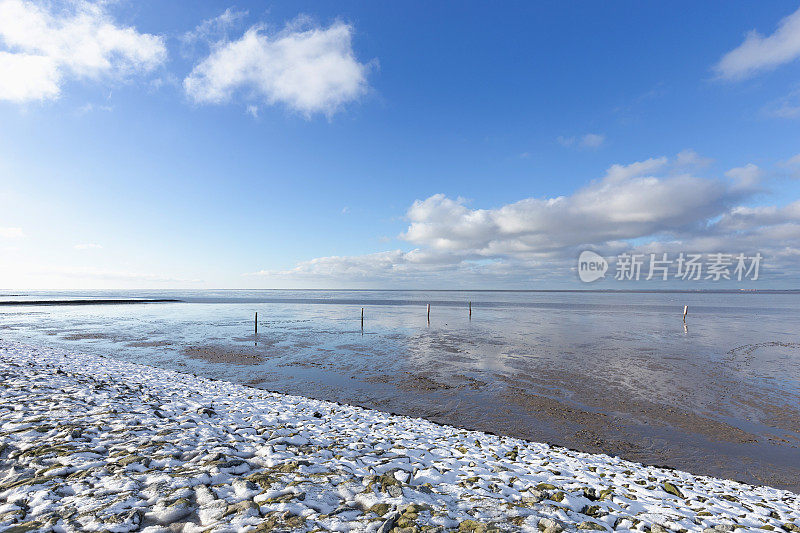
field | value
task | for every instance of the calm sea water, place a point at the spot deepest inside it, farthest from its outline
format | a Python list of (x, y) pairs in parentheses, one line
[(612, 372)]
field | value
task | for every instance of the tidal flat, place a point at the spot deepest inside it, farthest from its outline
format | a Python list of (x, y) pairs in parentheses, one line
[(609, 373)]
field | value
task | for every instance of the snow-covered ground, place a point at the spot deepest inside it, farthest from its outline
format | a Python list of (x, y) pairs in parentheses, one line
[(90, 443)]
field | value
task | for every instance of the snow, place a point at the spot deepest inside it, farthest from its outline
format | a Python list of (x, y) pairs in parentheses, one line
[(97, 444)]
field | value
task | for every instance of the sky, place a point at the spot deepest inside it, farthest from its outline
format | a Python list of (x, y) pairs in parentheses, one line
[(420, 145)]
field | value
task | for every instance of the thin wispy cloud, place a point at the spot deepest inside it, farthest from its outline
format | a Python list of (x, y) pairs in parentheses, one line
[(305, 67), (89, 107), (589, 140), (760, 53), (88, 246), (214, 29), (787, 107), (689, 158), (791, 166), (793, 161), (44, 47), (94, 274)]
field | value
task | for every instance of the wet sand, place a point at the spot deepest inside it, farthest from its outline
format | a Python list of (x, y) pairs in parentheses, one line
[(658, 431)]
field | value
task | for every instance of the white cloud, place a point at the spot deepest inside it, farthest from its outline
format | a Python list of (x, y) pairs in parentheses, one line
[(88, 246), (624, 205), (44, 46), (26, 77), (758, 53), (11, 233), (308, 68), (747, 176), (588, 140), (625, 172)]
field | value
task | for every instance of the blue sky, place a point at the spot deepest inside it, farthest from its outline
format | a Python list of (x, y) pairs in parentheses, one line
[(378, 144)]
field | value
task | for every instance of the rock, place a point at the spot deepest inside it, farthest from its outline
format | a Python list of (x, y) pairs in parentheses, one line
[(672, 489), (167, 514), (132, 517), (473, 526), (394, 491), (261, 479), (380, 509), (243, 508), (595, 511), (592, 526), (24, 527), (133, 459), (283, 498), (387, 525), (590, 494), (245, 488), (605, 494), (211, 511), (550, 525), (658, 528), (512, 455)]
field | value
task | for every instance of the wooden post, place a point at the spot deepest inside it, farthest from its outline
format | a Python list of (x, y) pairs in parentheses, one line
[(362, 318), (429, 313), (256, 324), (685, 310), (470, 309)]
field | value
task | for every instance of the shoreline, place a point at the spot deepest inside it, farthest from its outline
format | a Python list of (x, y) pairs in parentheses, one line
[(119, 446)]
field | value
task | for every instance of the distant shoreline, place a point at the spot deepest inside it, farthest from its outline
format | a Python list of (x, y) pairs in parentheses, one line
[(622, 291), (88, 302)]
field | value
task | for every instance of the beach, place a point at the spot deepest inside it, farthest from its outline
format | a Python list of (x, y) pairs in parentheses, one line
[(93, 443), (612, 373), (392, 267)]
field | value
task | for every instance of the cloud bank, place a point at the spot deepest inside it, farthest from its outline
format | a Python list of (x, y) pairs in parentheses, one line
[(307, 68), (42, 47), (647, 206)]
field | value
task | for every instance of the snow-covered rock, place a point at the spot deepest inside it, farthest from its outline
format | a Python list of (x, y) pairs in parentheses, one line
[(97, 444)]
